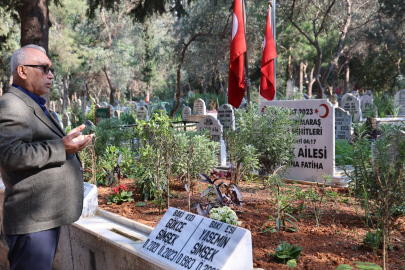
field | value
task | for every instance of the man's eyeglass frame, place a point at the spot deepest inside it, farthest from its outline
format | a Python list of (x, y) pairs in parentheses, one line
[(45, 67)]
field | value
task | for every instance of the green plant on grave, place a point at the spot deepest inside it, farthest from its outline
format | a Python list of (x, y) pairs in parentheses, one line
[(243, 156), (156, 153), (373, 239), (344, 152), (281, 202), (317, 200), (271, 132), (120, 195), (286, 252), (378, 178), (367, 266)]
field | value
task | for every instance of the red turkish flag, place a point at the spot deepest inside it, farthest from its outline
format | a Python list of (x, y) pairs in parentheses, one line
[(267, 89), (236, 84)]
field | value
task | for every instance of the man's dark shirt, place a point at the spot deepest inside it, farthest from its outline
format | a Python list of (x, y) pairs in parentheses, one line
[(40, 101)]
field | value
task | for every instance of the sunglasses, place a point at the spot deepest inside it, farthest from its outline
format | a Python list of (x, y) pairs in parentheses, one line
[(45, 67)]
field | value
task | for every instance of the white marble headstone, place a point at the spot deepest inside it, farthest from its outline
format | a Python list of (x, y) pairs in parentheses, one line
[(199, 107), (352, 104), (142, 114), (343, 123), (399, 100), (182, 240), (186, 113), (368, 93), (117, 114), (214, 126), (90, 200), (315, 147), (226, 116), (367, 107)]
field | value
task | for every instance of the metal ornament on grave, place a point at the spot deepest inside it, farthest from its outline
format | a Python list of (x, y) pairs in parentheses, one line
[(199, 107), (142, 114), (351, 104), (226, 116), (399, 100), (186, 113), (343, 124)]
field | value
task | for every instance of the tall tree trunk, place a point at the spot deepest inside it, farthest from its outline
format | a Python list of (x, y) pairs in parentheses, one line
[(347, 78), (65, 92), (311, 81), (183, 53), (110, 84), (34, 15)]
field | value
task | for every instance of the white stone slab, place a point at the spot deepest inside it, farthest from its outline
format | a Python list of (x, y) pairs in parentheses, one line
[(184, 240), (226, 116), (352, 104), (142, 114), (315, 147), (343, 123), (213, 125), (90, 200), (186, 113), (399, 100), (199, 107)]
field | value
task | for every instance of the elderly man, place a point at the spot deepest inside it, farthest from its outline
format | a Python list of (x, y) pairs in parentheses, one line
[(38, 164)]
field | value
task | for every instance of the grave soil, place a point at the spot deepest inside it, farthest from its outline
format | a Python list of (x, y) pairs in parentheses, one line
[(338, 240)]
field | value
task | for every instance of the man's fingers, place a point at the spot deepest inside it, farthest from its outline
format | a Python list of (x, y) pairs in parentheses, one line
[(73, 135), (77, 129)]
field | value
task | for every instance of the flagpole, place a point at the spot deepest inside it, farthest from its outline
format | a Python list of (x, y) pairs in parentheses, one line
[(246, 58), (273, 26)]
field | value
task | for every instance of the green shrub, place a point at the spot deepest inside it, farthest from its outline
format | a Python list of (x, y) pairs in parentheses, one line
[(286, 252)]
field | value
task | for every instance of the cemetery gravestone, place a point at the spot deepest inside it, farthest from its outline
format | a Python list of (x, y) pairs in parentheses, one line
[(343, 123), (368, 93), (399, 100), (182, 240), (56, 117), (339, 99), (142, 114), (90, 200), (111, 109), (65, 120), (289, 89), (243, 104), (186, 113), (315, 146), (212, 124), (52, 106), (117, 114), (226, 116), (73, 119), (352, 104), (199, 107), (367, 107), (101, 114)]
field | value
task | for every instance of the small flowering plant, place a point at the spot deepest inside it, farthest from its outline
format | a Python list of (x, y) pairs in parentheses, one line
[(120, 195), (225, 214)]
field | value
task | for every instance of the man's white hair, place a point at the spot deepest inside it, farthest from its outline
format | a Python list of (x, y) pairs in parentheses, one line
[(20, 55)]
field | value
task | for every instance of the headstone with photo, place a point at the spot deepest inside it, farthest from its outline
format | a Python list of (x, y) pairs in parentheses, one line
[(199, 107), (343, 124), (226, 116), (352, 104), (183, 240), (399, 100), (186, 113), (142, 114), (214, 126), (315, 146)]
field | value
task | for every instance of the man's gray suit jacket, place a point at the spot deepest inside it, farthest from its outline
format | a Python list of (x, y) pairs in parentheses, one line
[(44, 185)]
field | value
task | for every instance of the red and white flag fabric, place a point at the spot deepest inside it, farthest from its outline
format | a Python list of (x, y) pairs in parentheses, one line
[(236, 83), (267, 89)]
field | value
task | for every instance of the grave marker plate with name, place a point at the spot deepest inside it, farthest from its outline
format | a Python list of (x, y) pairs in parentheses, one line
[(226, 116), (343, 123), (199, 107), (315, 147), (182, 240), (186, 113), (399, 100), (142, 114), (352, 104)]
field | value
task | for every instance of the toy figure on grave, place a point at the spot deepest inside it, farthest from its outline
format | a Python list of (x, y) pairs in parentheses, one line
[(39, 165)]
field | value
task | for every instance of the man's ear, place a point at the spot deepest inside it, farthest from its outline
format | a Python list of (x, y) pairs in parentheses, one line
[(22, 72)]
